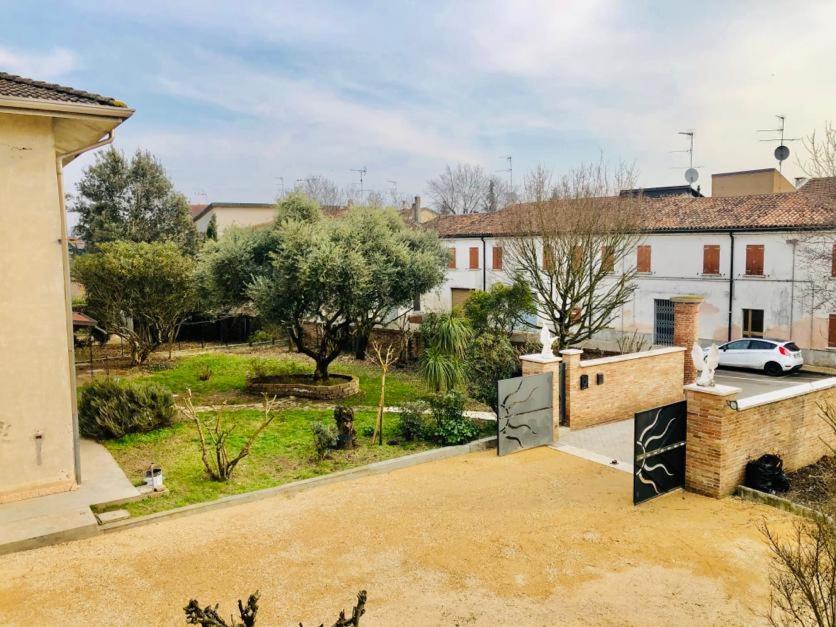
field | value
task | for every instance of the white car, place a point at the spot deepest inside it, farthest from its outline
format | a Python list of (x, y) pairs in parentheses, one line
[(774, 357)]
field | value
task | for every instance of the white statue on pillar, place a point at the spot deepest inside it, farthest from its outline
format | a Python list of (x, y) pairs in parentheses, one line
[(706, 363), (546, 341)]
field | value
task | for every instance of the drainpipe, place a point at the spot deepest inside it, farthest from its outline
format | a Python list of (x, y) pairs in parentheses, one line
[(794, 243), (484, 265), (731, 286), (68, 300)]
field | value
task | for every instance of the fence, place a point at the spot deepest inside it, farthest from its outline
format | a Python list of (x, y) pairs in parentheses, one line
[(725, 433)]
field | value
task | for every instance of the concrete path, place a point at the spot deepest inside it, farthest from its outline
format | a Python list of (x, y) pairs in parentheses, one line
[(603, 443), (533, 538), (752, 382), (28, 523)]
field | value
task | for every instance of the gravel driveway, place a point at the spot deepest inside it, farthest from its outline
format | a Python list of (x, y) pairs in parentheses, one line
[(534, 538)]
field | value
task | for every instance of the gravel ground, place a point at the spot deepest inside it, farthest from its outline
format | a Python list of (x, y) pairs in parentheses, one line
[(535, 538)]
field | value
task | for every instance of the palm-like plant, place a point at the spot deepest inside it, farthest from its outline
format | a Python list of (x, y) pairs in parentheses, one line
[(446, 338)]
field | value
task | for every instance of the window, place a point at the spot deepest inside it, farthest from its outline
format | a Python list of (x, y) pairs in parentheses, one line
[(607, 259), (451, 261), (754, 260), (738, 345), (711, 259), (548, 259), (753, 323), (577, 258), (459, 295), (833, 261), (761, 345), (643, 258), (831, 332), (474, 257), (497, 257)]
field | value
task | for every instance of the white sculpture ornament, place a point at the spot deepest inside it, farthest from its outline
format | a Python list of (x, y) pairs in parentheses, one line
[(546, 341), (706, 363)]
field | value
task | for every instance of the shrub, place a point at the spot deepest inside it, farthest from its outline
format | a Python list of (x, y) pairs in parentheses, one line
[(204, 373), (109, 408), (367, 430), (412, 423), (260, 337), (451, 427), (324, 438), (492, 358)]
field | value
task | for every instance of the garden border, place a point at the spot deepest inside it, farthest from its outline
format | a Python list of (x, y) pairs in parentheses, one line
[(376, 468)]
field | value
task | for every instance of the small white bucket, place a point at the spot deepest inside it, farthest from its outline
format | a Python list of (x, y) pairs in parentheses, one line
[(154, 477)]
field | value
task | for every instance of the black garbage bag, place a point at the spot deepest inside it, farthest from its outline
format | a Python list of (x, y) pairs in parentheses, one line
[(766, 474)]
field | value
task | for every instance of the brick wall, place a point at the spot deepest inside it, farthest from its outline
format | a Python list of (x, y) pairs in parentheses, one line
[(632, 383), (721, 440)]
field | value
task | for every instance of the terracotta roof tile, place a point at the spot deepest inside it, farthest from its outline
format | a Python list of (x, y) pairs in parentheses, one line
[(813, 209), (15, 86)]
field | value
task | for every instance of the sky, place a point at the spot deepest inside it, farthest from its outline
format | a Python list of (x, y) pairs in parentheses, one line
[(240, 98)]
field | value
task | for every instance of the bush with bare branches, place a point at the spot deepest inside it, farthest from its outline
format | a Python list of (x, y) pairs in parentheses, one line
[(214, 435)]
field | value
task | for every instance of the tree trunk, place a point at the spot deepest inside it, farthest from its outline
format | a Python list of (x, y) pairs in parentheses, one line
[(361, 344), (321, 371), (378, 425)]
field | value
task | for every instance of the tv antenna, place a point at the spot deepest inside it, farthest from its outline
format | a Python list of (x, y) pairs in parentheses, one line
[(691, 174), (781, 153), (509, 170), (394, 189), (281, 178), (362, 172)]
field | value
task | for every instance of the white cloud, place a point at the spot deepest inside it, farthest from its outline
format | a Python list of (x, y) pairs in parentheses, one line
[(39, 65)]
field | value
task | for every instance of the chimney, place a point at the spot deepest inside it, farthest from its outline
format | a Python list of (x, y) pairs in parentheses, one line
[(416, 210)]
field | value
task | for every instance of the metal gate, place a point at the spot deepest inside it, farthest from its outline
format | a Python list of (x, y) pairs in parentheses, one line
[(659, 451), (663, 321), (525, 413)]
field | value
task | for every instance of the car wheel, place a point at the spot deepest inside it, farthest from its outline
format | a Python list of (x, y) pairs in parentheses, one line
[(773, 369)]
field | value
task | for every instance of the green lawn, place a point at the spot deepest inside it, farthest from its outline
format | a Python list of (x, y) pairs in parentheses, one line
[(283, 453), (229, 372)]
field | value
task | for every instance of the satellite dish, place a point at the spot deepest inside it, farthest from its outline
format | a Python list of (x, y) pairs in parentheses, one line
[(691, 175), (782, 152)]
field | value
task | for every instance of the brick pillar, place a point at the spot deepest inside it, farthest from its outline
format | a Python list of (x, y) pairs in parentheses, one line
[(572, 359), (686, 327), (707, 459), (538, 364)]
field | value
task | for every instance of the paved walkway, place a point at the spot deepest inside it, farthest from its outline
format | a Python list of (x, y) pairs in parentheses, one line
[(66, 514), (605, 443), (533, 538), (752, 383)]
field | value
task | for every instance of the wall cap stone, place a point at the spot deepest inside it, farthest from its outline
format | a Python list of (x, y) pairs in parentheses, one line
[(540, 359), (688, 298), (716, 390), (600, 361), (779, 395), (571, 351)]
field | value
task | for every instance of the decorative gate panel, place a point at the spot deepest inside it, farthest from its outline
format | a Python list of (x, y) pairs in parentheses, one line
[(659, 451), (525, 413), (663, 322)]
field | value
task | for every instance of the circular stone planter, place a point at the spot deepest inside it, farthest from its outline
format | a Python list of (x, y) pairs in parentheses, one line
[(303, 386)]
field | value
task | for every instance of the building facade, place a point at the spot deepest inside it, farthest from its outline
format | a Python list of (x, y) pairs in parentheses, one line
[(742, 254)]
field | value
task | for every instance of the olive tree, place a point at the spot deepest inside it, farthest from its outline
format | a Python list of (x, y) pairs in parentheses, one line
[(141, 292), (323, 280), (575, 250)]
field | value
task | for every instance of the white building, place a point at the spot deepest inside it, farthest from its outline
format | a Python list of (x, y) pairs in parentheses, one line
[(229, 214), (741, 253)]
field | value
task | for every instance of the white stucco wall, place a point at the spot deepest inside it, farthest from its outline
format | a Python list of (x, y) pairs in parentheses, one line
[(676, 269), (35, 392), (238, 216)]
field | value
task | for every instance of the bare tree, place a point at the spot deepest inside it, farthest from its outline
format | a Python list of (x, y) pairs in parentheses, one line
[(576, 251), (218, 464), (821, 153), (321, 189), (538, 185), (385, 356), (467, 189)]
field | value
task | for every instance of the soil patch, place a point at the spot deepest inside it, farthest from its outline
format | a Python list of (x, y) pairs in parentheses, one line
[(814, 485)]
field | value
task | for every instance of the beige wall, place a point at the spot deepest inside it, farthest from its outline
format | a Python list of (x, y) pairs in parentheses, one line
[(721, 440), (746, 183), (238, 216), (35, 386), (632, 383)]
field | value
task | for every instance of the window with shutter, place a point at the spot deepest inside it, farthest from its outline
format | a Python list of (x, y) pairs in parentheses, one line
[(831, 332), (548, 259), (833, 261), (753, 323), (754, 259), (607, 259), (474, 257), (451, 261), (711, 259), (643, 258), (497, 257)]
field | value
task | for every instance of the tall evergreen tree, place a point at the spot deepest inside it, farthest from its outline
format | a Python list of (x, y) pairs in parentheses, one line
[(131, 200)]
